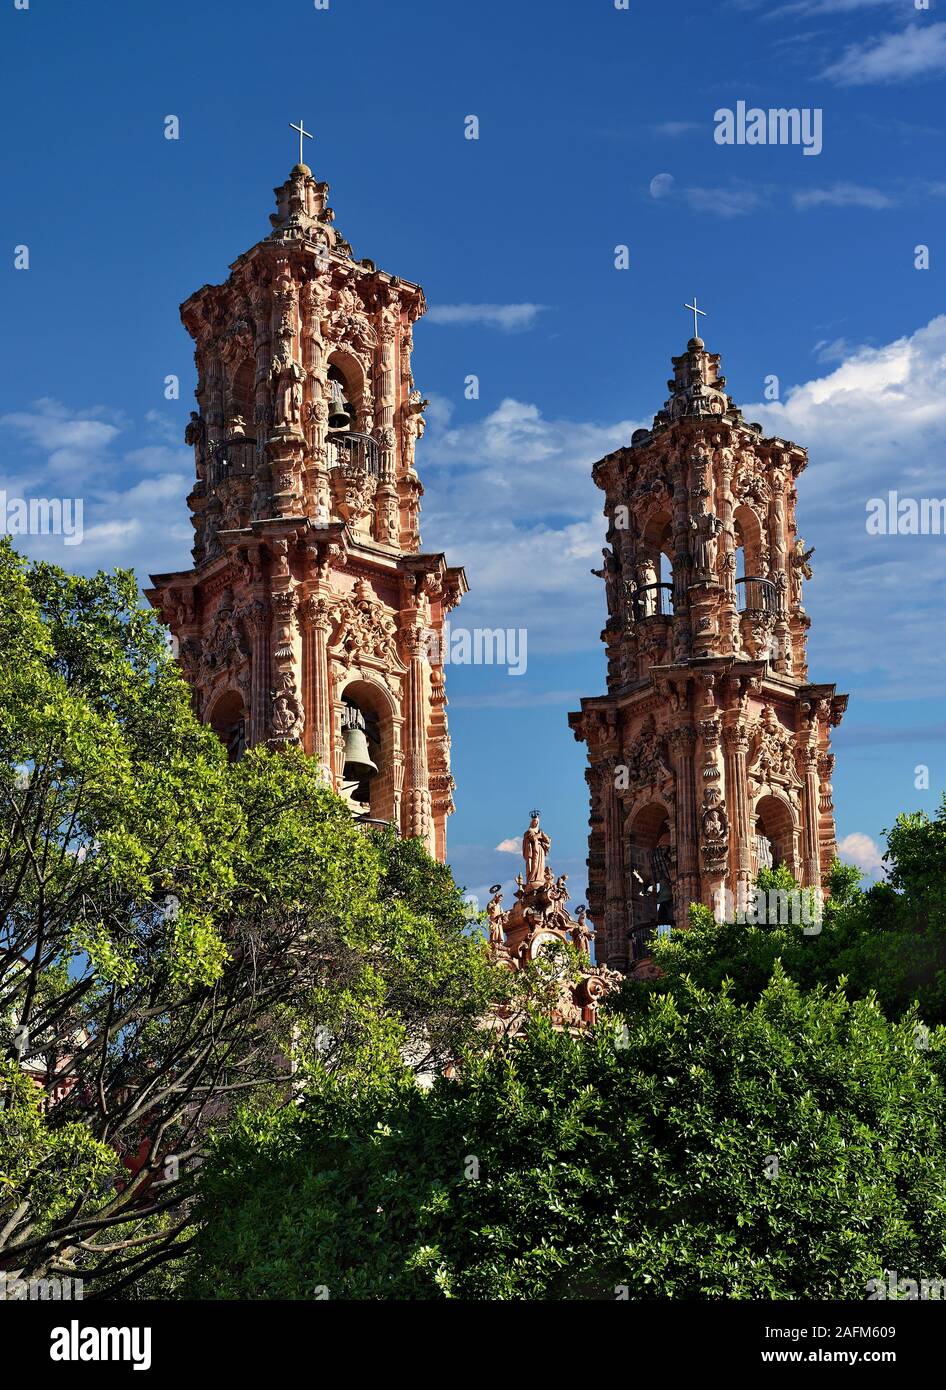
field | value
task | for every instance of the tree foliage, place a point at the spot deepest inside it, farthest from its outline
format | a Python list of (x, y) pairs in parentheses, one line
[(173, 930), (695, 1147), (889, 939)]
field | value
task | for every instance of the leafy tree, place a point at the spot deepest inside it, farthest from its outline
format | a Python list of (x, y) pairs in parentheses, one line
[(696, 1148), (890, 939), (172, 930)]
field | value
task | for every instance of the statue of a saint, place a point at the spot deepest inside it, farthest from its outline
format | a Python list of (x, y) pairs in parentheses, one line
[(535, 846)]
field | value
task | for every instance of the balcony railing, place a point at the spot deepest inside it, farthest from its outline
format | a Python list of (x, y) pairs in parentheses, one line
[(652, 601), (355, 453), (368, 823), (758, 595), (230, 458)]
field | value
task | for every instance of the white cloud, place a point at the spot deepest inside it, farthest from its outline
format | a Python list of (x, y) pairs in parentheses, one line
[(71, 441), (510, 318), (917, 51), (730, 200), (510, 497), (843, 195), (725, 202), (833, 350), (875, 423), (133, 503), (863, 852), (509, 846)]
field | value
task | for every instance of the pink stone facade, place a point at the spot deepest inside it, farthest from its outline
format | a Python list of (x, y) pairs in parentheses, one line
[(310, 593), (710, 753)]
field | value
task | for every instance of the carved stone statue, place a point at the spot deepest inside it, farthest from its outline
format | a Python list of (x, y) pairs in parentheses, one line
[(495, 916), (535, 846)]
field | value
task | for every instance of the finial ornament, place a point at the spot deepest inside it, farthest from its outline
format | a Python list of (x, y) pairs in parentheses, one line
[(302, 132), (693, 306)]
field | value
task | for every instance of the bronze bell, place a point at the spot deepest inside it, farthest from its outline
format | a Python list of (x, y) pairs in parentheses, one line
[(358, 767), (339, 415)]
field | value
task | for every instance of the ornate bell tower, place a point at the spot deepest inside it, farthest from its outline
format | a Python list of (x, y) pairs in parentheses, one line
[(710, 754), (311, 616)]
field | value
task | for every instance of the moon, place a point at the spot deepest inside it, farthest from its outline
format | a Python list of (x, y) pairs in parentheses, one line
[(661, 185)]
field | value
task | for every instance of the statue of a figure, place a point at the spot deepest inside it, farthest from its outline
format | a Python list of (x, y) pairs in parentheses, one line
[(535, 846), (582, 935), (707, 527), (495, 916), (800, 567), (610, 573)]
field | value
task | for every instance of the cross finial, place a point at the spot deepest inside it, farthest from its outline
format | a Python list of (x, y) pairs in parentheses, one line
[(302, 132), (696, 323)]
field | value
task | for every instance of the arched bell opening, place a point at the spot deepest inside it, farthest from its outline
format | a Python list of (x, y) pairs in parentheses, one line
[(653, 578), (756, 592), (242, 396), (774, 838), (649, 865), (341, 411), (367, 733), (227, 718)]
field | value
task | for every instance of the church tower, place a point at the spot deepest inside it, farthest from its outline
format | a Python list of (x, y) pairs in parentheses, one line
[(709, 756), (312, 616)]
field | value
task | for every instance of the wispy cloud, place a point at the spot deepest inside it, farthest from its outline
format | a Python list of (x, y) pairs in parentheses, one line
[(875, 422), (843, 195), (510, 318), (134, 505), (70, 440), (508, 847), (674, 129), (833, 350), (730, 200), (724, 202), (917, 51)]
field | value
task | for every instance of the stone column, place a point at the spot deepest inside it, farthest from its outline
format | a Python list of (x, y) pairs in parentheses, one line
[(615, 944), (418, 818), (687, 887), (258, 622), (810, 799), (317, 699), (736, 739)]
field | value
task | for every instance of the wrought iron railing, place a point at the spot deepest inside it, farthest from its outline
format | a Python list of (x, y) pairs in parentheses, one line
[(639, 939), (368, 823), (355, 453), (652, 601), (758, 595), (230, 458)]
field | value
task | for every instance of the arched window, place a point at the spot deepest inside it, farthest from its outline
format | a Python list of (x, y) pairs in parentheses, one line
[(648, 860), (228, 721), (367, 773)]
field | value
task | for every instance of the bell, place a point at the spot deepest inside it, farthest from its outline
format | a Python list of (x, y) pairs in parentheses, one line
[(339, 415), (358, 766)]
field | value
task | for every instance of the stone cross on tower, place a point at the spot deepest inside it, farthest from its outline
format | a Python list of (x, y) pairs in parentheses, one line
[(302, 132), (696, 326)]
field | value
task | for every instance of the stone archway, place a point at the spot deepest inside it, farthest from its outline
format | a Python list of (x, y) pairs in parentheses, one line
[(775, 833), (227, 718), (377, 705), (649, 867)]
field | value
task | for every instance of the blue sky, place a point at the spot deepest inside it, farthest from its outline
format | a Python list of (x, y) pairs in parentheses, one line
[(805, 264)]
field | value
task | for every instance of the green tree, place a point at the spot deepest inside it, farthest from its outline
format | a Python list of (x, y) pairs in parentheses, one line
[(174, 929), (693, 1147), (889, 939)]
